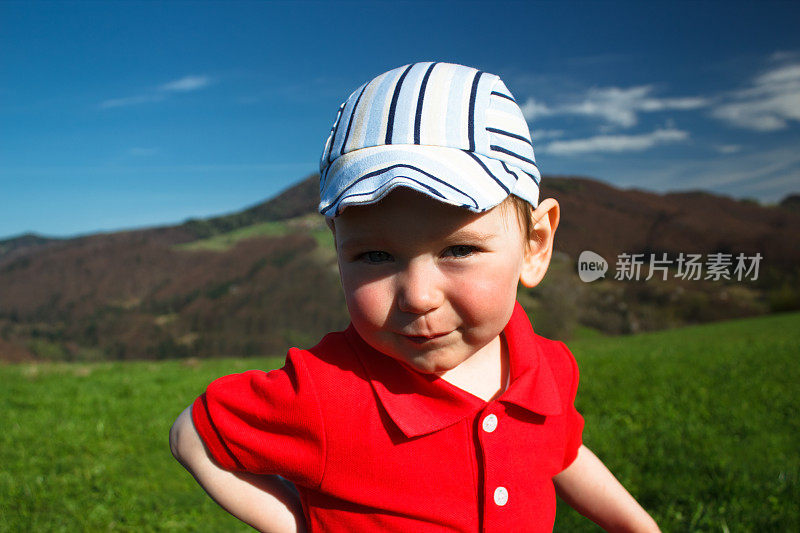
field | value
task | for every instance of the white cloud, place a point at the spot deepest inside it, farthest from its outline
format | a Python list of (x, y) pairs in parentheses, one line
[(768, 175), (770, 103), (615, 105), (532, 109), (181, 85), (729, 148), (539, 134), (616, 143), (781, 75), (185, 84), (785, 55), (130, 100)]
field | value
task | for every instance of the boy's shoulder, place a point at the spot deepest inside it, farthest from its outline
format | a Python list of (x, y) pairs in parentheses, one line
[(539, 350), (559, 359), (323, 376), (332, 367), (555, 351), (334, 354)]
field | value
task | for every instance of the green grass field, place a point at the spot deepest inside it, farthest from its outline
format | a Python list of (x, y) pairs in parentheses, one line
[(699, 423)]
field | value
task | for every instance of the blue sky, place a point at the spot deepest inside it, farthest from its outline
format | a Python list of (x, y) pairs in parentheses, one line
[(118, 115)]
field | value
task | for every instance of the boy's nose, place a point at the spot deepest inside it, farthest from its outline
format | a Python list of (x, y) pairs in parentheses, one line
[(417, 291)]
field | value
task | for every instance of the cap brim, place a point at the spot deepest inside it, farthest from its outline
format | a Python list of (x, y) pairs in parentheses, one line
[(456, 177)]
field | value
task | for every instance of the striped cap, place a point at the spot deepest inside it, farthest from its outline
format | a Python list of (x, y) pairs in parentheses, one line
[(448, 131)]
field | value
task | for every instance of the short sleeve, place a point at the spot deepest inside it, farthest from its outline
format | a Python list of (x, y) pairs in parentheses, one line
[(265, 422), (574, 437)]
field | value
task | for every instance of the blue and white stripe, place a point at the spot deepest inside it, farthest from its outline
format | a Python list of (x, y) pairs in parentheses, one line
[(449, 131)]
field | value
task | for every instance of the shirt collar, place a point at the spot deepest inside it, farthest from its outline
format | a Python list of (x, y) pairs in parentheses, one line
[(420, 403)]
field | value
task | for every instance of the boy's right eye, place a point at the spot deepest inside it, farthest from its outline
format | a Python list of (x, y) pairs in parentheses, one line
[(376, 256)]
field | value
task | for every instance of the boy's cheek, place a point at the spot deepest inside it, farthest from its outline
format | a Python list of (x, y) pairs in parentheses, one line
[(368, 301), (493, 283)]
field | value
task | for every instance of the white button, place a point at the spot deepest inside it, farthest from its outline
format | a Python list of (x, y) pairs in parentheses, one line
[(489, 423), (500, 496)]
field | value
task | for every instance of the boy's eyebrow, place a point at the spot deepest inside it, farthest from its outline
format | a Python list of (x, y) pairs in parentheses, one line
[(467, 235), (471, 235), (353, 242)]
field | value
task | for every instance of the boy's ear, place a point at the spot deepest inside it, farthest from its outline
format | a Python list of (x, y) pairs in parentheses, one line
[(540, 242)]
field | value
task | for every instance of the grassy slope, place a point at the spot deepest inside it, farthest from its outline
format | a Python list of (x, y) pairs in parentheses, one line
[(699, 423), (225, 241), (313, 223)]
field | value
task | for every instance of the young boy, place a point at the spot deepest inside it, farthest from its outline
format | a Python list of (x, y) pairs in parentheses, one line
[(438, 409)]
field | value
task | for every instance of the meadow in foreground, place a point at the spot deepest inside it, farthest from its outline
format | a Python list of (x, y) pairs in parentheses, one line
[(699, 423)]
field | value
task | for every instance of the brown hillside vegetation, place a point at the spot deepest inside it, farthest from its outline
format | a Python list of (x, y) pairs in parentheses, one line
[(131, 297), (272, 282), (609, 221)]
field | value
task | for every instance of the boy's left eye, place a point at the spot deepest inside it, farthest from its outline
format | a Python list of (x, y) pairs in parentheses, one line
[(376, 256), (460, 250)]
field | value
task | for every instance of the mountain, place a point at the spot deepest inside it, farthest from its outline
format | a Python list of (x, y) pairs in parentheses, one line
[(262, 279), (596, 216), (22, 244)]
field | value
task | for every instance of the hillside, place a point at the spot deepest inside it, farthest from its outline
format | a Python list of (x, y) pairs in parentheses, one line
[(607, 220), (258, 280)]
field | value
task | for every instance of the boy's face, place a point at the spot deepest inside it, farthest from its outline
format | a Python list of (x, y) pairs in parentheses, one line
[(427, 283)]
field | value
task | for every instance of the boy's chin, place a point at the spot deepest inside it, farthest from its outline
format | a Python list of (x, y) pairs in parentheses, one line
[(431, 363), (436, 356)]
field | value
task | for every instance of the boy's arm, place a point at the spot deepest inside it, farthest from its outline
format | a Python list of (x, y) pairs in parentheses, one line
[(592, 490), (262, 501)]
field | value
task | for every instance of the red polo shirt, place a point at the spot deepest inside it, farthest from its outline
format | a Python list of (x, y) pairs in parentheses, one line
[(374, 446)]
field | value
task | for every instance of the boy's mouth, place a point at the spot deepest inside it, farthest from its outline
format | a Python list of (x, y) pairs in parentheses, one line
[(421, 339)]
